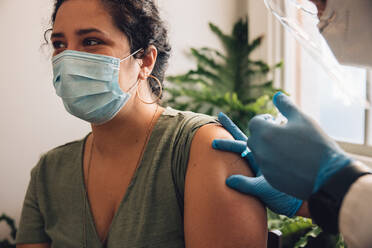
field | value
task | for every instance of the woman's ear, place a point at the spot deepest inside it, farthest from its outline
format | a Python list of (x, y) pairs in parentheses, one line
[(148, 62)]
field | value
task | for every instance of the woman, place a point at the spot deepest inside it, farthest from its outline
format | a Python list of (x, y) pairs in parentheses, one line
[(145, 176)]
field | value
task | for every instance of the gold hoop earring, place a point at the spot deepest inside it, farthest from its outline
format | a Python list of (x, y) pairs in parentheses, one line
[(160, 88)]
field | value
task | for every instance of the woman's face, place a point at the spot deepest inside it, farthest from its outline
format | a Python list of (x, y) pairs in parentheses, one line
[(86, 26)]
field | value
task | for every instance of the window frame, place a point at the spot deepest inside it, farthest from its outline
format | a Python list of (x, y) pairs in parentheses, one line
[(273, 50), (361, 150), (364, 150)]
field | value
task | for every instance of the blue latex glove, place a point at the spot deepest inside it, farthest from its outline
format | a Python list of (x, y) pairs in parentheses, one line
[(296, 158), (277, 201)]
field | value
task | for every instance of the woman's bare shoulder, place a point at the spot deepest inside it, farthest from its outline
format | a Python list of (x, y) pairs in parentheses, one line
[(216, 215), (202, 152)]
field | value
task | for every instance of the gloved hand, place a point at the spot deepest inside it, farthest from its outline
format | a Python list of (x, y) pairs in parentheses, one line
[(277, 201), (296, 158)]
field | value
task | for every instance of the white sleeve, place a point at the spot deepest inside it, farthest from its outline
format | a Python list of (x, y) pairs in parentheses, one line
[(355, 218)]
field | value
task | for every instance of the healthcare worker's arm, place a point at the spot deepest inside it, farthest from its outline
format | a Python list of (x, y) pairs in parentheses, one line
[(349, 18), (298, 158), (355, 205), (355, 217), (214, 214)]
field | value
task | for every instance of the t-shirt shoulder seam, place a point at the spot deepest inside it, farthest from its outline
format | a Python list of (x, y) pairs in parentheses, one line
[(188, 115)]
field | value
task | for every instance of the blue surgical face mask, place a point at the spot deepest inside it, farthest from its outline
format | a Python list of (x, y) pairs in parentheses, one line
[(89, 85)]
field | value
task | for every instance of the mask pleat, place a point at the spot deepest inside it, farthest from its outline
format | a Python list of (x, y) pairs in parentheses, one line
[(89, 85), (70, 86), (91, 103), (113, 107)]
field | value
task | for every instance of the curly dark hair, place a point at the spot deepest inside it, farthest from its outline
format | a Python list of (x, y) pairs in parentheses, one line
[(140, 21)]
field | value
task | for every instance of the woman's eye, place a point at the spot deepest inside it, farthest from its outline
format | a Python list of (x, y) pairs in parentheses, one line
[(92, 42), (58, 45)]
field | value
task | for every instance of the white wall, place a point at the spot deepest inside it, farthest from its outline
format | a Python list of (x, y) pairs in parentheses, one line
[(188, 23), (262, 22), (33, 119)]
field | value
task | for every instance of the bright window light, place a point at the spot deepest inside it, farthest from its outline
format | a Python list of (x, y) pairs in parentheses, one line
[(339, 109)]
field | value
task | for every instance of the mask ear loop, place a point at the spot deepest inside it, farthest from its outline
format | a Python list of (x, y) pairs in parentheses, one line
[(130, 55), (160, 93)]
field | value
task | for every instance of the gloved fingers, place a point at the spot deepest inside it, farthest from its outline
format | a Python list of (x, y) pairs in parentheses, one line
[(239, 147), (231, 127), (245, 185), (296, 206), (285, 105), (236, 146), (253, 164), (277, 201), (261, 124)]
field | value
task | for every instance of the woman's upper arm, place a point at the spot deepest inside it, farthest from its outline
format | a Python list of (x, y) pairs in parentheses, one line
[(44, 245), (215, 215)]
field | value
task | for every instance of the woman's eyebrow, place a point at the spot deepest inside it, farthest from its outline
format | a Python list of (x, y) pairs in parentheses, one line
[(88, 30), (79, 32), (57, 35)]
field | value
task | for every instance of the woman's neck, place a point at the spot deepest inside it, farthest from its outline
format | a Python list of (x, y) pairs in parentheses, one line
[(130, 128)]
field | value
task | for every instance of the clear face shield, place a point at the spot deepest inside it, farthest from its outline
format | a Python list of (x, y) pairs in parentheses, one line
[(300, 18)]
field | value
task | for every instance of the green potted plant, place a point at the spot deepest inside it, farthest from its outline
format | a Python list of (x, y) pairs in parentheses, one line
[(233, 83), (230, 82), (13, 231)]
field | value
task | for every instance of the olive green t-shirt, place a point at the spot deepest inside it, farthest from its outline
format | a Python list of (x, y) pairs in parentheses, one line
[(56, 209)]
